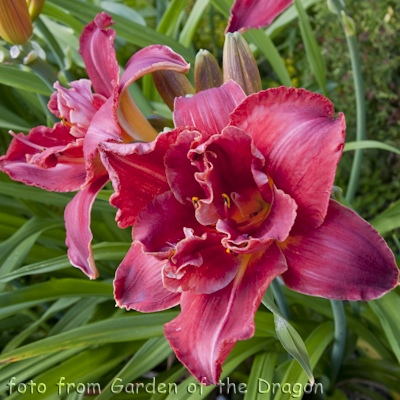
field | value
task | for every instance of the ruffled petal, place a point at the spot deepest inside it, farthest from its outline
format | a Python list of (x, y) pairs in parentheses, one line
[(77, 223), (150, 59), (138, 283), (345, 258), (276, 226), (210, 324), (180, 171), (103, 128), (137, 173), (200, 265), (296, 132), (209, 109), (160, 225), (98, 53), (77, 105), (247, 14), (49, 158)]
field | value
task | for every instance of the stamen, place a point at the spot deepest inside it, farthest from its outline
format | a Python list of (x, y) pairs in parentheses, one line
[(172, 254), (227, 200), (27, 142), (253, 214), (195, 201), (229, 251), (66, 122)]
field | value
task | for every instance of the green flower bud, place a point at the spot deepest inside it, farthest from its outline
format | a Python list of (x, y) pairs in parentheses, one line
[(35, 8)]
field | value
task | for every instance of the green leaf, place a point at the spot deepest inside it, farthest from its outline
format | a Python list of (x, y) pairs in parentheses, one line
[(288, 336), (188, 31), (33, 295), (152, 353), (88, 366), (15, 77), (267, 47), (168, 377), (101, 251), (386, 308), (388, 219), (136, 327), (43, 196), (131, 31), (313, 51), (240, 352), (21, 336), (286, 17), (263, 368), (171, 16), (28, 368), (316, 343), (17, 256), (9, 120), (58, 14), (369, 144)]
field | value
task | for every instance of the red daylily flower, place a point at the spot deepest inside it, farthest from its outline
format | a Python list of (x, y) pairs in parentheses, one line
[(247, 14), (65, 158), (237, 194)]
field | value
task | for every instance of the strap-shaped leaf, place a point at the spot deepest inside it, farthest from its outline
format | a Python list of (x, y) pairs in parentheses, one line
[(313, 51), (288, 336), (129, 328), (369, 144)]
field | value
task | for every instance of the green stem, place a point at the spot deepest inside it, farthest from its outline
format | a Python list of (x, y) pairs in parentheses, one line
[(280, 299), (340, 338), (360, 102)]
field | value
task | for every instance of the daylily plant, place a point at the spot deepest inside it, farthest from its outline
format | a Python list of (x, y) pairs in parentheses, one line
[(237, 194), (65, 158)]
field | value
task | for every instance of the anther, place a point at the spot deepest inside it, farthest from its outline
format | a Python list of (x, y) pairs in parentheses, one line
[(227, 200), (195, 201), (66, 122), (229, 251)]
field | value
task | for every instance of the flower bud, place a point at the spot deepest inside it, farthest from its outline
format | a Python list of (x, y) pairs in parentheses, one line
[(35, 8), (349, 24), (15, 21), (171, 84), (239, 64), (207, 73)]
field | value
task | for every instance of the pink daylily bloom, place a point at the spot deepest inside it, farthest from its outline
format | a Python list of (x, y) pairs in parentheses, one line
[(237, 194), (65, 158), (247, 14)]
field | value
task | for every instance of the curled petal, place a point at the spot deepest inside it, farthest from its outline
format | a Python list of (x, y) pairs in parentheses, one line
[(98, 53), (138, 283), (137, 173), (200, 265), (150, 59), (210, 324), (77, 223), (179, 170), (103, 128), (247, 14), (345, 258), (160, 225), (49, 158), (276, 226), (296, 132), (209, 110), (77, 105)]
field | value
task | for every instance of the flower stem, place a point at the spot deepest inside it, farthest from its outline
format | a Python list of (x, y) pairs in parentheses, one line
[(360, 98), (340, 338), (280, 299)]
